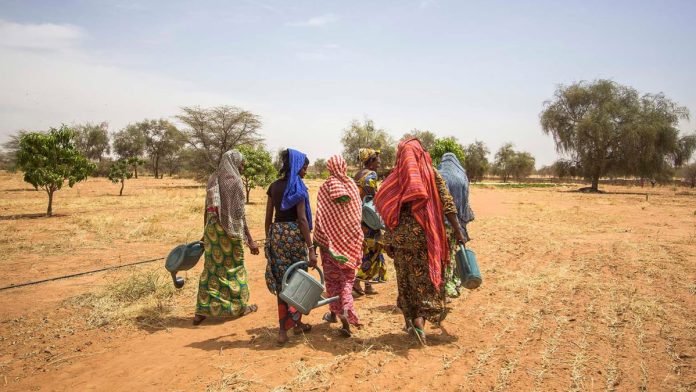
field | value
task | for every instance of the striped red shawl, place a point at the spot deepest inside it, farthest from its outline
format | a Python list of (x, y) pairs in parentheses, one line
[(413, 181), (339, 212)]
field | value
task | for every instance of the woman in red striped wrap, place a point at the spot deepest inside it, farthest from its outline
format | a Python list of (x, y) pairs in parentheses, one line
[(413, 201), (339, 236)]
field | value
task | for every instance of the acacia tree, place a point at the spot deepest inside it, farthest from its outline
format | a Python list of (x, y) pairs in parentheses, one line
[(426, 138), (690, 174), (258, 168), (445, 145), (10, 148), (522, 165), (685, 149), (129, 143), (605, 127), (319, 166), (212, 132), (504, 161), (120, 171), (50, 159), (476, 161), (92, 140), (364, 135)]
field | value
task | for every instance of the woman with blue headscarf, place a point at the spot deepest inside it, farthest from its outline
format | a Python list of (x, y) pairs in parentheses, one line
[(458, 184), (288, 240)]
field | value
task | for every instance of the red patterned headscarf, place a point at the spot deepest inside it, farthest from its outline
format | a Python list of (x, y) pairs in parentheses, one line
[(337, 228), (413, 181)]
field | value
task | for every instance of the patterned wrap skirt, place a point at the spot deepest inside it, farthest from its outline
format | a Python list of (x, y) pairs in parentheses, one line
[(284, 247), (223, 290)]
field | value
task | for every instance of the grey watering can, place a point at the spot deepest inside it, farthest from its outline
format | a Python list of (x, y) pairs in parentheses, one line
[(302, 291), (183, 258)]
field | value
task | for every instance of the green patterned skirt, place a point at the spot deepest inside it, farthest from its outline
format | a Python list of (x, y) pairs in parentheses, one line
[(223, 290)]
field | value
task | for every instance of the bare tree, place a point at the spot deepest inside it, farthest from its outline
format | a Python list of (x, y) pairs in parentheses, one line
[(212, 132)]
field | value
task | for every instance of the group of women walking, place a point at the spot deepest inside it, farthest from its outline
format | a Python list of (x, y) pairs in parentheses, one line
[(425, 211)]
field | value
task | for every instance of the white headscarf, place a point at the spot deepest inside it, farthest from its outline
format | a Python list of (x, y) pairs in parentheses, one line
[(225, 191)]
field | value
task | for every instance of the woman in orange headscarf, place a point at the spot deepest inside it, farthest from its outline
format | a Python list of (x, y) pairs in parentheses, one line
[(413, 201)]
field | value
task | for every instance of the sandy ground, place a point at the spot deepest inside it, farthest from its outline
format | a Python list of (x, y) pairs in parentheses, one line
[(580, 292)]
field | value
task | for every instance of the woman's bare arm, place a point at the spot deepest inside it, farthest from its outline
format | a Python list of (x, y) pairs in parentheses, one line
[(306, 234)]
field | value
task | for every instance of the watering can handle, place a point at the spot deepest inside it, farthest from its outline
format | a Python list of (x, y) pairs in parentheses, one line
[(296, 265)]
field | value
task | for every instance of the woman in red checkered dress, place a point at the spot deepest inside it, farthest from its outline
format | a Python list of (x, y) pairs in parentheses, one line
[(339, 236)]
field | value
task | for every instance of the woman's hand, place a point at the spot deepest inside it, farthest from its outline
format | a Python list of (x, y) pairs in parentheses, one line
[(312, 258), (254, 247), (460, 237)]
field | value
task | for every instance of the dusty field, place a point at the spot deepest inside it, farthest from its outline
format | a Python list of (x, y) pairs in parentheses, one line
[(581, 292)]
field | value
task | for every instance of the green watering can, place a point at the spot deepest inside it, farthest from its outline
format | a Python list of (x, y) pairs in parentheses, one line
[(302, 291), (468, 268), (183, 258)]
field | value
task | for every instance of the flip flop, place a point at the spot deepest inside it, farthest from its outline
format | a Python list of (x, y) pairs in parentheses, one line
[(329, 317), (420, 334), (305, 328), (250, 309)]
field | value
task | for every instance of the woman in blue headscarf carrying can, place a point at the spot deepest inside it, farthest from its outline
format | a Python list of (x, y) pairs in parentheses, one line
[(288, 235), (458, 184)]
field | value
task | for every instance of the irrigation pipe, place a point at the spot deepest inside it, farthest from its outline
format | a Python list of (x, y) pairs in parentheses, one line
[(14, 286)]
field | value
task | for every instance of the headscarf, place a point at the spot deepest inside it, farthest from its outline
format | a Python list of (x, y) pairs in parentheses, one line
[(458, 183), (365, 154), (296, 190), (225, 191), (339, 213), (413, 181)]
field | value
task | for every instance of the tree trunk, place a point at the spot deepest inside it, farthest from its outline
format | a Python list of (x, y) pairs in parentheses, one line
[(595, 182), (135, 168), (157, 166), (248, 190), (49, 212), (123, 183)]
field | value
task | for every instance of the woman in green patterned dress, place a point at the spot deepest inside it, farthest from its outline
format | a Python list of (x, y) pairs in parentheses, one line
[(223, 290)]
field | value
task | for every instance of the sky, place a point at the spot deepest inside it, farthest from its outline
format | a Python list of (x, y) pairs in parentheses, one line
[(476, 70)]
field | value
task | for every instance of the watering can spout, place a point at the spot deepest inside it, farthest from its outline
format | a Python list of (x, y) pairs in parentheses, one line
[(326, 301)]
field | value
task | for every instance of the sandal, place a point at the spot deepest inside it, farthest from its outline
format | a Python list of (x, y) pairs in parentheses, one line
[(329, 317), (420, 334), (250, 309), (198, 319), (302, 328)]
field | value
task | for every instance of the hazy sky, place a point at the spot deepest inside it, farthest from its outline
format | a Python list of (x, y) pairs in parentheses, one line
[(474, 70)]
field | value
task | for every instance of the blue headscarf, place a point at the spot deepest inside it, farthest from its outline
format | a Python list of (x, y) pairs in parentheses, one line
[(458, 184), (296, 190)]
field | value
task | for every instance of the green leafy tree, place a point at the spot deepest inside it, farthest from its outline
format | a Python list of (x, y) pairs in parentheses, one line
[(212, 132), (10, 148), (522, 165), (503, 164), (50, 159), (607, 128), (445, 145), (258, 168), (364, 135), (120, 171), (426, 138), (319, 166), (161, 138), (476, 160), (92, 140), (129, 143), (684, 151)]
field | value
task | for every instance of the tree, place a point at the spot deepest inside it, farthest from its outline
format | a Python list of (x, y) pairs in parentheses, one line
[(92, 140), (50, 159), (476, 161), (445, 145), (522, 165), (258, 168), (319, 166), (605, 127), (364, 135), (503, 164), (212, 132), (684, 151), (161, 138), (130, 143), (120, 171), (9, 151), (690, 174), (426, 138)]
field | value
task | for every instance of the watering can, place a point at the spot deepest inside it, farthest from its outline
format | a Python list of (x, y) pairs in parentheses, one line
[(183, 258), (467, 267), (302, 291)]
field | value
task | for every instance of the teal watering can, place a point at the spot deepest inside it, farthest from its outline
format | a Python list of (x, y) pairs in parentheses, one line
[(183, 258), (467, 267), (302, 291)]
